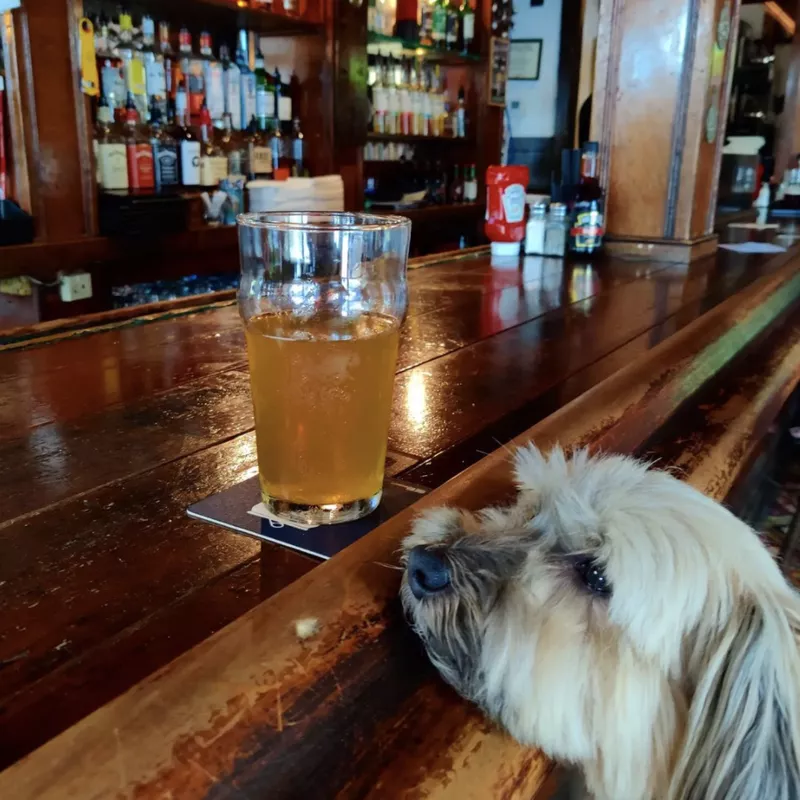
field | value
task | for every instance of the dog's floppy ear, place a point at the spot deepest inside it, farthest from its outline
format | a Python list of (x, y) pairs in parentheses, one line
[(743, 733)]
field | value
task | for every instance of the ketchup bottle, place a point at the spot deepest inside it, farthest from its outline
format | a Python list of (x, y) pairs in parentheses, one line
[(505, 209)]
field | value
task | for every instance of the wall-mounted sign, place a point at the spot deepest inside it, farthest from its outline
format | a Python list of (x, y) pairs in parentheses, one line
[(498, 71), (524, 59)]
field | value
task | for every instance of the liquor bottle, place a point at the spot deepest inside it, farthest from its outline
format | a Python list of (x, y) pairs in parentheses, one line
[(371, 14), (452, 25), (229, 142), (139, 152), (404, 98), (274, 137), (248, 87), (283, 94), (112, 83), (457, 186), (470, 185), (461, 115), (214, 79), (406, 25), (165, 150), (233, 89), (188, 144), (298, 163), (167, 57), (426, 22), (439, 25), (112, 162), (154, 68), (427, 103), (259, 155), (213, 162), (265, 99), (467, 26), (132, 63), (588, 213), (393, 97)]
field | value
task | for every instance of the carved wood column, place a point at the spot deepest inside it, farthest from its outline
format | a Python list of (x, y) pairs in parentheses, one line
[(660, 102)]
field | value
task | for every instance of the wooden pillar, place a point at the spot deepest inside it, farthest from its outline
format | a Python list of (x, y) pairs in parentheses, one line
[(57, 144), (661, 91)]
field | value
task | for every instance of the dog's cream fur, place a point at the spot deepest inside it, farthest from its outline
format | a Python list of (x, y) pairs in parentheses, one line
[(682, 684)]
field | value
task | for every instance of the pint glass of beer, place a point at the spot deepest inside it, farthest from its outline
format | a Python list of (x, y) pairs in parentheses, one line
[(322, 296)]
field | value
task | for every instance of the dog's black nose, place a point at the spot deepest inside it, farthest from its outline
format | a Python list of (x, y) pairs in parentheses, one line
[(427, 572)]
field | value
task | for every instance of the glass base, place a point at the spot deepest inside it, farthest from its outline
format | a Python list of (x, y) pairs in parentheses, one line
[(328, 514)]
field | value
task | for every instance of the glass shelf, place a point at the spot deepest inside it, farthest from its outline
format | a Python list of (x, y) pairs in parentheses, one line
[(391, 45)]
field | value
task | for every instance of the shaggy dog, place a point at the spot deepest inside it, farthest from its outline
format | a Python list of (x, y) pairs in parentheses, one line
[(622, 622)]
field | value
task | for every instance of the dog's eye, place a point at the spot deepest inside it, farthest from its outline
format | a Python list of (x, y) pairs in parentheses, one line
[(593, 576)]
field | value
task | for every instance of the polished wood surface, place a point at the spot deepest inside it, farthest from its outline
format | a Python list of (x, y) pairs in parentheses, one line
[(106, 437), (357, 710)]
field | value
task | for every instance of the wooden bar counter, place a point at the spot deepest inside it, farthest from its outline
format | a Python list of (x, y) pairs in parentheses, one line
[(109, 591)]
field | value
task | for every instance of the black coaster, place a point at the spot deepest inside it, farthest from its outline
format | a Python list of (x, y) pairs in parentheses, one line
[(230, 509)]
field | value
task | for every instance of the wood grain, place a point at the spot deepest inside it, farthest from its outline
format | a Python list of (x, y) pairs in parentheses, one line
[(356, 711)]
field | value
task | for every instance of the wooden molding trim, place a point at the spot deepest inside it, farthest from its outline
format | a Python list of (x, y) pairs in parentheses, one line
[(727, 84), (680, 119), (664, 250)]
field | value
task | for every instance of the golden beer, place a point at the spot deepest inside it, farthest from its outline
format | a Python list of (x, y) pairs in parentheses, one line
[(322, 393)]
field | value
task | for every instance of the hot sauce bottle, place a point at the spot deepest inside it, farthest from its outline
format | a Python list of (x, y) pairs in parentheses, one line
[(588, 214)]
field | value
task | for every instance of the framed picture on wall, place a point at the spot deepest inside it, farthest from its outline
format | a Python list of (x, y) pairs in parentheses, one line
[(525, 59), (498, 71)]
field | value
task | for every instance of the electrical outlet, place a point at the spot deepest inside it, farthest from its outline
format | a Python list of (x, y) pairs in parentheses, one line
[(77, 286)]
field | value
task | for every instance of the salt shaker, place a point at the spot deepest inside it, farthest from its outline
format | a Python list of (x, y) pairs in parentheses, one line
[(535, 229), (557, 231)]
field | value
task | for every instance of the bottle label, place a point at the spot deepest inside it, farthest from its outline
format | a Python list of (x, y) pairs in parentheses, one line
[(215, 89), (262, 161), (141, 174), (461, 123), (113, 84), (297, 151), (248, 97), (190, 163), (469, 27), (137, 82), (156, 77), (233, 96), (219, 169), (166, 165), (285, 109), (439, 23), (207, 171), (587, 230), (235, 162), (514, 202), (112, 166), (196, 86)]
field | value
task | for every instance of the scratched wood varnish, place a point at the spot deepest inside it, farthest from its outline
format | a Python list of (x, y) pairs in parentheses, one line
[(356, 711)]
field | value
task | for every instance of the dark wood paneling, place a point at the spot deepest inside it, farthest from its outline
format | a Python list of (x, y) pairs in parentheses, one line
[(56, 153)]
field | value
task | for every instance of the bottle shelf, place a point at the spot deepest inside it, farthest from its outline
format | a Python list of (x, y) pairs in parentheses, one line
[(399, 137), (433, 212), (392, 45)]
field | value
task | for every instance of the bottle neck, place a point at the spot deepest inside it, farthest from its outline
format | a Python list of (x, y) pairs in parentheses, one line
[(590, 168)]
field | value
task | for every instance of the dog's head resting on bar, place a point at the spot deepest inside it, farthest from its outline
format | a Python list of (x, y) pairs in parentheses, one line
[(621, 621)]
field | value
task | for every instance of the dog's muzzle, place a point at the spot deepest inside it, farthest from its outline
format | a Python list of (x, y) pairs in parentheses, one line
[(428, 573)]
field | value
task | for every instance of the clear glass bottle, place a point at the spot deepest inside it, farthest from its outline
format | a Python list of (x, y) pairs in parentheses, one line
[(557, 231)]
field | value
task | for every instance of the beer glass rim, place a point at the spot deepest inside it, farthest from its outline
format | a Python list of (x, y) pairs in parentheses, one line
[(321, 221)]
